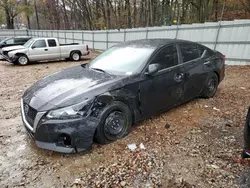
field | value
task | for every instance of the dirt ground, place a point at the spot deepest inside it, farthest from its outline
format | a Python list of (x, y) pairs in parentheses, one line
[(195, 145)]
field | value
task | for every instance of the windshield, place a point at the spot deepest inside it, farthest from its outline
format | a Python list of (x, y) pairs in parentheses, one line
[(122, 60), (4, 40), (28, 43)]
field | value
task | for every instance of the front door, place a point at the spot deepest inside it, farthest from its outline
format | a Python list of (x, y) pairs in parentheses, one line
[(164, 89), (38, 51)]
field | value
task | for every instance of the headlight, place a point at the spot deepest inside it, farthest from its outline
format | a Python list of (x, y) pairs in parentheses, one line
[(71, 112), (10, 54)]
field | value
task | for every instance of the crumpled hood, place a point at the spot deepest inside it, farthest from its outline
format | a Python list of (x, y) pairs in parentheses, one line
[(11, 48), (68, 87)]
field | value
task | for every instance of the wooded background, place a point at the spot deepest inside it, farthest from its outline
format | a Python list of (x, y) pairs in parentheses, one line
[(116, 14)]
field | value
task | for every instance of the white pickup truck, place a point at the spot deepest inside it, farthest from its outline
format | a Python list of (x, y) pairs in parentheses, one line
[(43, 49)]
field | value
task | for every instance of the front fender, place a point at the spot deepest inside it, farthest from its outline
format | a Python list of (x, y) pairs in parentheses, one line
[(128, 97), (16, 52)]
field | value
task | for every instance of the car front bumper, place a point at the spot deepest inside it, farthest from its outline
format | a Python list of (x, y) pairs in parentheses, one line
[(10, 59), (64, 136)]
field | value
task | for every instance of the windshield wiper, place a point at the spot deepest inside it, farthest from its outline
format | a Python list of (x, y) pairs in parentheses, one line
[(100, 70)]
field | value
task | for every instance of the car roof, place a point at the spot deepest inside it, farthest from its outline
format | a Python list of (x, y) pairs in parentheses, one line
[(151, 43), (22, 37), (43, 38)]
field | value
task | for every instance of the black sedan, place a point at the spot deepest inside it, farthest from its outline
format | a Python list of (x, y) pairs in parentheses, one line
[(129, 82)]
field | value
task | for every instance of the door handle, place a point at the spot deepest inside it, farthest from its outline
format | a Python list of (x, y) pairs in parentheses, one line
[(45, 49), (179, 77)]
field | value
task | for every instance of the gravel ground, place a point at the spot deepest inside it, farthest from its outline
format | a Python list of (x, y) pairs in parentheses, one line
[(195, 145)]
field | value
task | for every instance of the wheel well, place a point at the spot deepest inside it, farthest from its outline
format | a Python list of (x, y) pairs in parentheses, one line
[(109, 103), (76, 51), (218, 76), (20, 54)]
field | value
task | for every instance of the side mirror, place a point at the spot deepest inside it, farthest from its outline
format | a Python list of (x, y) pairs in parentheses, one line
[(153, 68), (204, 54), (33, 47)]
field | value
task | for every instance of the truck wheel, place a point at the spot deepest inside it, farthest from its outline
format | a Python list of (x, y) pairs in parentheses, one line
[(75, 56), (115, 123), (22, 60)]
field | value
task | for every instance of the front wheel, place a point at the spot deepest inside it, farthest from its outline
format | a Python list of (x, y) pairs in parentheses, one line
[(115, 123), (22, 60), (75, 56), (211, 86)]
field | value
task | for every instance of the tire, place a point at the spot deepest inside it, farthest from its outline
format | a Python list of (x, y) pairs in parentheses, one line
[(211, 86), (115, 123), (75, 56), (22, 60)]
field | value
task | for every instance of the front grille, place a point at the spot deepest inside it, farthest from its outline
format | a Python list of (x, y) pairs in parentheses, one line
[(30, 114)]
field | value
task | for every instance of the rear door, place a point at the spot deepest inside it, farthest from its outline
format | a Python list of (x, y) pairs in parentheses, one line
[(195, 75), (54, 51), (38, 51), (164, 89)]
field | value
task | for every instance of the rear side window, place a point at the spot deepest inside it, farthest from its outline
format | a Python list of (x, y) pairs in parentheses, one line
[(52, 42), (39, 44), (167, 57), (10, 41), (189, 52)]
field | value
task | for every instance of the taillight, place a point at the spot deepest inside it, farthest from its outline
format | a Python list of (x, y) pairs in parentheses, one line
[(223, 57), (87, 48)]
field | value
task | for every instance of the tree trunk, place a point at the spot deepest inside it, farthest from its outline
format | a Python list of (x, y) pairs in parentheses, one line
[(108, 13), (37, 18), (8, 19), (12, 23), (216, 3), (66, 18), (128, 13), (119, 13), (135, 14)]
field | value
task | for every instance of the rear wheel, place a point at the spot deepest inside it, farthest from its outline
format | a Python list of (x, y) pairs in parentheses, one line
[(115, 123), (75, 56), (22, 60), (211, 86)]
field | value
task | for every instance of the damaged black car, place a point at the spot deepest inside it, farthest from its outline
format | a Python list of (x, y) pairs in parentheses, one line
[(131, 81)]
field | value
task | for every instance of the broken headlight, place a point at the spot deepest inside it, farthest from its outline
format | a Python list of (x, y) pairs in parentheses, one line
[(71, 112)]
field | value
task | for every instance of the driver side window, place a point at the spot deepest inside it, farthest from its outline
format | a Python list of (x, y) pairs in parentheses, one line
[(39, 44), (167, 57)]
